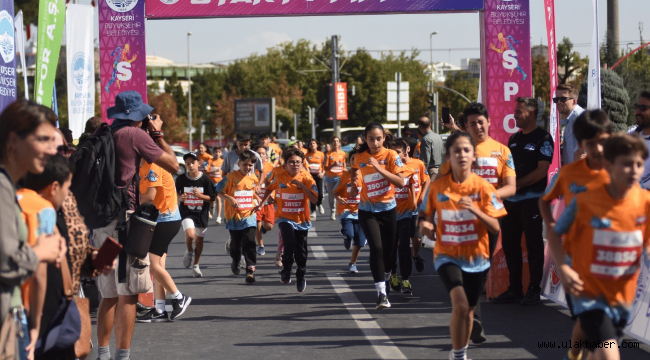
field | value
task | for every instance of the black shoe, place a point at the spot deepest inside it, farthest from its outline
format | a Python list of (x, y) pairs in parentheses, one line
[(477, 336), (382, 302), (419, 263), (180, 306), (508, 297), (285, 276), (301, 284), (141, 309), (250, 278), (153, 316), (234, 266), (532, 296)]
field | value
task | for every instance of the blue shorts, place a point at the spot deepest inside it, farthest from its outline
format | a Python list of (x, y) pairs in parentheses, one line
[(350, 229)]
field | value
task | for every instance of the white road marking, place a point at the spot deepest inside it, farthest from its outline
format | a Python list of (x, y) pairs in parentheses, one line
[(380, 342), (312, 233), (318, 252)]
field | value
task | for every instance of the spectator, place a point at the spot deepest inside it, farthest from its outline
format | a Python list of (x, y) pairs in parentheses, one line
[(431, 148), (642, 115), (406, 131), (92, 125), (132, 144), (230, 161), (532, 151), (67, 135), (26, 133), (360, 142), (566, 98)]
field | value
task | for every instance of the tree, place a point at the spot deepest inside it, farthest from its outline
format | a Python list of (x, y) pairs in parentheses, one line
[(541, 78), (615, 99), (609, 54), (464, 83), (165, 105), (635, 71), (569, 60)]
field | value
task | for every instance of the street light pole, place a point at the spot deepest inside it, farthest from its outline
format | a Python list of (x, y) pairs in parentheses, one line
[(434, 105), (189, 90)]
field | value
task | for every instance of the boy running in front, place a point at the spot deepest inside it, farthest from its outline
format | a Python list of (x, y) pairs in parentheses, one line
[(606, 235), (347, 208), (266, 216), (592, 129), (238, 191)]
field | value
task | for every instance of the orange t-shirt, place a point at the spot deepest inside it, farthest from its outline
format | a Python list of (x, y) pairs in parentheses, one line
[(414, 173), (292, 202), (377, 194), (493, 163), (242, 188), (343, 190), (336, 161), (315, 162), (462, 237), (304, 150), (268, 170), (152, 175), (575, 178), (605, 239), (214, 170), (204, 161)]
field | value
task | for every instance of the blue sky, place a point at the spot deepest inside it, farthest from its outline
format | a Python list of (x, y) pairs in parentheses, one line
[(216, 40)]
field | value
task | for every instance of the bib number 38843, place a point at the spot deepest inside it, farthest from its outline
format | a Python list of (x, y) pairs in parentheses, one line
[(458, 227)]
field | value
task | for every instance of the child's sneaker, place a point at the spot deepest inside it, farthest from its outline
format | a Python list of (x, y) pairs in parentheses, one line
[(250, 277), (218, 221), (352, 268), (187, 259), (242, 263), (278, 259), (196, 271), (228, 246), (260, 251)]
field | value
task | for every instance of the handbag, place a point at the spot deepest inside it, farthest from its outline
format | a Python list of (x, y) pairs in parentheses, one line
[(83, 346), (141, 227), (8, 337), (65, 327)]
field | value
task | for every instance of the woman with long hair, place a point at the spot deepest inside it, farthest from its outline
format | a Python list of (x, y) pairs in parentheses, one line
[(334, 167), (315, 159), (380, 171)]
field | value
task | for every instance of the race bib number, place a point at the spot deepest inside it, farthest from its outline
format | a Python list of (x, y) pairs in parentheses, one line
[(192, 201), (314, 168), (376, 185), (616, 253), (487, 169), (353, 200), (337, 169), (215, 173), (293, 203), (458, 227), (203, 165), (244, 198), (403, 193)]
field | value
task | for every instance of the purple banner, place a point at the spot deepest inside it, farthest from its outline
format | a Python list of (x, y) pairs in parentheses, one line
[(506, 66), (8, 54), (165, 9), (122, 51)]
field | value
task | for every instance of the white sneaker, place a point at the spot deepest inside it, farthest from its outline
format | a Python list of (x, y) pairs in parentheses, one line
[(313, 216), (187, 259), (218, 220), (242, 263), (228, 246), (333, 216), (209, 214), (196, 272), (321, 209)]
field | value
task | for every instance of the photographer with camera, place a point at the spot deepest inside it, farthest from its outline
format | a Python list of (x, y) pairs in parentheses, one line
[(137, 135)]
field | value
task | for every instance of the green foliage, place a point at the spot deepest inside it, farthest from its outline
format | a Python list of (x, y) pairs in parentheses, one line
[(635, 71), (615, 99), (569, 62), (464, 84), (609, 54), (541, 78)]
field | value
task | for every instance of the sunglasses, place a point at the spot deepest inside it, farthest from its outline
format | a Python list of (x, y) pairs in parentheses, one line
[(561, 99), (641, 107)]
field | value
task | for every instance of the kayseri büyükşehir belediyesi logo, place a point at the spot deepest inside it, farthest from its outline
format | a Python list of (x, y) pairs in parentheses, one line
[(81, 71), (122, 5), (6, 36)]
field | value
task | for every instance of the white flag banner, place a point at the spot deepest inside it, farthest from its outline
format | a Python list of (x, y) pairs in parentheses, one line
[(81, 66), (19, 30), (593, 79)]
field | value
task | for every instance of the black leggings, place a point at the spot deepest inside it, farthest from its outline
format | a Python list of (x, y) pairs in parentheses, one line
[(473, 283), (295, 247), (319, 186), (403, 248), (379, 229), (163, 235)]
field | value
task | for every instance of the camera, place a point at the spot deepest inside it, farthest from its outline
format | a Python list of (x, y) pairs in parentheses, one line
[(145, 123)]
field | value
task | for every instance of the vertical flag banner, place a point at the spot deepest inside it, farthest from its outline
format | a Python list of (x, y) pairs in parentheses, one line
[(51, 18), (554, 121), (341, 101), (81, 66), (506, 68), (593, 79), (19, 29), (122, 52), (8, 52)]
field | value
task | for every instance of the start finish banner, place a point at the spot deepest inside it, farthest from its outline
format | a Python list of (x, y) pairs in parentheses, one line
[(506, 67), (122, 52), (166, 9)]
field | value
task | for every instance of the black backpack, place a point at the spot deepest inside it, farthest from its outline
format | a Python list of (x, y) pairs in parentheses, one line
[(93, 183)]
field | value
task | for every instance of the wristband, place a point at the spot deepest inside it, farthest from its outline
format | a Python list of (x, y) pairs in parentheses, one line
[(155, 135)]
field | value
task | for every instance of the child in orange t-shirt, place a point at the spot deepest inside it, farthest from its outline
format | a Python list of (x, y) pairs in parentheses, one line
[(314, 162), (334, 166), (347, 208), (266, 216), (215, 174), (293, 187), (466, 207), (606, 236)]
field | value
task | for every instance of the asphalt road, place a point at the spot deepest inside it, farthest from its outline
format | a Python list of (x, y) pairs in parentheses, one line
[(335, 318)]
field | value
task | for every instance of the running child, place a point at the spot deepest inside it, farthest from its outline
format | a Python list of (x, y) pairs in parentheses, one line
[(315, 159), (204, 156), (196, 193), (238, 191), (157, 186), (266, 216), (421, 183), (380, 170), (347, 209), (334, 166), (215, 174), (293, 188), (606, 236), (465, 207), (592, 128)]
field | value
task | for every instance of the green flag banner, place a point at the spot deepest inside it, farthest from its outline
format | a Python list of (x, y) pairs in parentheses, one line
[(51, 19)]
